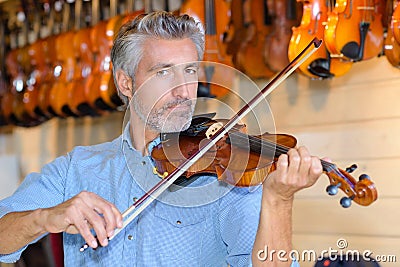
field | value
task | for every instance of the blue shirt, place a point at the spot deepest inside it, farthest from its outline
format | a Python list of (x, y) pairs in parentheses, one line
[(207, 223)]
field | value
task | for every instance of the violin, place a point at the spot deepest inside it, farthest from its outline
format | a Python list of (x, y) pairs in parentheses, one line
[(78, 100), (221, 138), (49, 46), (321, 65), (286, 14), (217, 28), (50, 68), (244, 160), (354, 29), (395, 23), (250, 57), (100, 87), (34, 79), (108, 91), (8, 97), (18, 87), (392, 45), (37, 54), (64, 70)]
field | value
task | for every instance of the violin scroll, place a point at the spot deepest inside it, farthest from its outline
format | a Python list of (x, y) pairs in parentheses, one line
[(362, 192)]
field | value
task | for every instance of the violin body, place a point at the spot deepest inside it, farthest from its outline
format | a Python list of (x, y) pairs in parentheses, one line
[(395, 23), (286, 15), (237, 30), (49, 46), (250, 57), (78, 100), (216, 32), (99, 85), (320, 65), (37, 76), (354, 29), (64, 73), (392, 50), (226, 161), (392, 45), (18, 64)]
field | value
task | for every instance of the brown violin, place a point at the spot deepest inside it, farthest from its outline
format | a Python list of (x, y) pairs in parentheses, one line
[(392, 45), (250, 57), (244, 160), (395, 23), (321, 65), (286, 14), (216, 29), (354, 29), (65, 67)]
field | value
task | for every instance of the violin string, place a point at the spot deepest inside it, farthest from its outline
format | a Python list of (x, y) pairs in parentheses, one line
[(258, 144)]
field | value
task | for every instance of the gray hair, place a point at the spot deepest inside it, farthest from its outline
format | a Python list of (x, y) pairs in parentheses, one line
[(127, 50)]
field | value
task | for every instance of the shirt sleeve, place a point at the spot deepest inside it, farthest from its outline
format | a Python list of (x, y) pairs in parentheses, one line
[(38, 190)]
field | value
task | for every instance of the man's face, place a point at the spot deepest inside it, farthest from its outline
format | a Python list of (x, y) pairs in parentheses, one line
[(166, 84)]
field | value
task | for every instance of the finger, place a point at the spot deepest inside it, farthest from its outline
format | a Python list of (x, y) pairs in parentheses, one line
[(282, 166), (84, 229), (316, 167), (110, 216), (118, 216), (294, 164), (99, 225), (305, 163)]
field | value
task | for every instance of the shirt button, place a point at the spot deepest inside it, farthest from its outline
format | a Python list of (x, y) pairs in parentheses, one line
[(134, 199), (130, 237), (143, 162), (178, 222)]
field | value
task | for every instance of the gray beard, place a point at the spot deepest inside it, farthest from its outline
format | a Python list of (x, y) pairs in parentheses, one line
[(164, 120)]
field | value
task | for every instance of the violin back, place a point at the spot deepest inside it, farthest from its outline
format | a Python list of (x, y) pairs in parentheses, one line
[(355, 30)]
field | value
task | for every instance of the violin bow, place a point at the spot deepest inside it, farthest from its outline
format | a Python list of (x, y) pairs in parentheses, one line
[(133, 211)]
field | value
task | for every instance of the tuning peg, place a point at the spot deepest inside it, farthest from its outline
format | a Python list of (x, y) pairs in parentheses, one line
[(345, 202), (364, 176), (333, 189), (351, 168)]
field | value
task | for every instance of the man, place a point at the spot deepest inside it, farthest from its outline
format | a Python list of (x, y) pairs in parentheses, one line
[(91, 185)]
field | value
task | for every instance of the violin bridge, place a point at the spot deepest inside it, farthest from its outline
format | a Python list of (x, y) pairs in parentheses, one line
[(213, 129), (162, 176)]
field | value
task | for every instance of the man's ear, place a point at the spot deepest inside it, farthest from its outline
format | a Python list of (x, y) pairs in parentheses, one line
[(124, 83)]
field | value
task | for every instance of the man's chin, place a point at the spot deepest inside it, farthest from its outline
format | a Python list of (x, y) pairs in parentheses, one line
[(175, 125)]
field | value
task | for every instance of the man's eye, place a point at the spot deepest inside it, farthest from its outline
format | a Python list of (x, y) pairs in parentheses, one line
[(191, 70), (163, 72)]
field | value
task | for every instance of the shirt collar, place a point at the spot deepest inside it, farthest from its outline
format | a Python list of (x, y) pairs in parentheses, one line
[(126, 137)]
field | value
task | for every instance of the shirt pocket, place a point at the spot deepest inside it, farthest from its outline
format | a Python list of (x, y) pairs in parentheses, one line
[(181, 233)]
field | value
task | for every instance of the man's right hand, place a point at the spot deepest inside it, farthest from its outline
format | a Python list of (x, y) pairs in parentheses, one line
[(81, 213)]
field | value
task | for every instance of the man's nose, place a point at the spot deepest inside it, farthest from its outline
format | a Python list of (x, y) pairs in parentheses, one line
[(181, 86)]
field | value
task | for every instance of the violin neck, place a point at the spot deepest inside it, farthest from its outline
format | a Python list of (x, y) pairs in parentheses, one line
[(266, 148)]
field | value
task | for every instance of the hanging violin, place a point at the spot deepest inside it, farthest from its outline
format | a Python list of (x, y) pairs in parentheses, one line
[(216, 29), (354, 29), (286, 14), (392, 45), (395, 23), (250, 57), (321, 65)]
